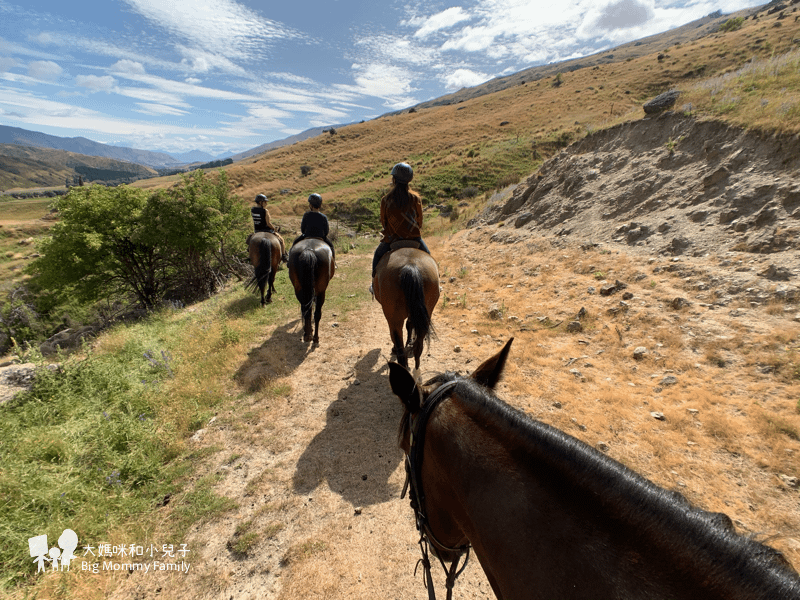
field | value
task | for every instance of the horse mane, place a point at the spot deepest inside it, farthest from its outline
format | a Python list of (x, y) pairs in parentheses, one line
[(621, 490)]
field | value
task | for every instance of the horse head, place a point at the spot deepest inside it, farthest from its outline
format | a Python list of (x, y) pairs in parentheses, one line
[(435, 519)]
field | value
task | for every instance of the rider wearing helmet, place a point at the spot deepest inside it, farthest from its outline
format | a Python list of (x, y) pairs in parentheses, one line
[(401, 214), (315, 223), (262, 222)]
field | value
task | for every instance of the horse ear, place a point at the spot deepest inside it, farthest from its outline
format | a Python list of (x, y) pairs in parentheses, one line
[(405, 387), (488, 374)]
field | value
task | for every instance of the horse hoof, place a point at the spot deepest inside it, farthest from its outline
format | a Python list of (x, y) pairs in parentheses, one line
[(316, 340)]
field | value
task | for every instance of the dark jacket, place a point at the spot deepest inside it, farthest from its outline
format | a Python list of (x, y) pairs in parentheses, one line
[(314, 224), (261, 220)]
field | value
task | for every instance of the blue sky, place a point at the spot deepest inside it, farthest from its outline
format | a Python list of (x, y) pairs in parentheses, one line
[(229, 75)]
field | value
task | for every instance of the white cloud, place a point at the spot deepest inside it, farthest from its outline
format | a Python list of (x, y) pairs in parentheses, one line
[(44, 38), (7, 63), (391, 83), (619, 14), (180, 89), (43, 112), (461, 78), (131, 67), (222, 27), (158, 109), (394, 48), (442, 20), (98, 84), (44, 70)]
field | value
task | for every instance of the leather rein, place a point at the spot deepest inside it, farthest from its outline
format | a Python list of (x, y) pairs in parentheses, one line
[(414, 480)]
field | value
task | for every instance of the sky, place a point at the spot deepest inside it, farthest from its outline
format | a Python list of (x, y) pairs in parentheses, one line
[(225, 76)]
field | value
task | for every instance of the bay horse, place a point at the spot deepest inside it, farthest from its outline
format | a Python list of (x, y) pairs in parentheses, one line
[(549, 517), (311, 268), (265, 256), (406, 284)]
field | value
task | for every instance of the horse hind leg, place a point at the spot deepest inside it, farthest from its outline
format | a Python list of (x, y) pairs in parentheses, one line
[(318, 315), (399, 350)]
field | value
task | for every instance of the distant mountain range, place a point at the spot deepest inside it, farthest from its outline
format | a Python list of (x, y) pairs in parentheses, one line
[(29, 167), (81, 145)]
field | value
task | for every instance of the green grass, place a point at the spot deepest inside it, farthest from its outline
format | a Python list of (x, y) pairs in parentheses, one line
[(12, 209), (99, 444), (81, 450)]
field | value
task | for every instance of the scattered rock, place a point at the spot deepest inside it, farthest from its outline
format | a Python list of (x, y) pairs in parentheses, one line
[(456, 348), (639, 353), (603, 447), (658, 416), (661, 102), (669, 380), (574, 327), (792, 482), (776, 273), (679, 303)]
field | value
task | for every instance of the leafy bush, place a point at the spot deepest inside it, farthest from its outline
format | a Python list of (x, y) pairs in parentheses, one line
[(122, 242), (732, 24)]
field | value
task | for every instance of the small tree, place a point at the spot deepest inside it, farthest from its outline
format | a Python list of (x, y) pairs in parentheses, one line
[(123, 242)]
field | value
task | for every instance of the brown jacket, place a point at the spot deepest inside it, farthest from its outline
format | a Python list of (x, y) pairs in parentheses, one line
[(401, 223)]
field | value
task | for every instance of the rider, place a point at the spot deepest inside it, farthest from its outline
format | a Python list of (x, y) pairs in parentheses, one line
[(315, 224), (261, 222), (401, 214)]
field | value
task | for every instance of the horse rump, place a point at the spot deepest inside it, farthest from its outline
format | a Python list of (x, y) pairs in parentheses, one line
[(263, 268)]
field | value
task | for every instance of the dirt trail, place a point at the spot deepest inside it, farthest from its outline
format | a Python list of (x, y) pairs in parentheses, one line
[(320, 476)]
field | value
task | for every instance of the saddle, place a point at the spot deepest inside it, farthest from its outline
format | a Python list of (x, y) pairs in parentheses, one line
[(404, 244)]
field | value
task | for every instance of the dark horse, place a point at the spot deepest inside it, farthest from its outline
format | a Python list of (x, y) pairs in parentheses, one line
[(311, 269), (265, 256), (549, 517), (406, 284)]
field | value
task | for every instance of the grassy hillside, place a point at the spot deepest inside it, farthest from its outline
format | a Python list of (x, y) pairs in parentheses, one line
[(23, 167), (746, 74)]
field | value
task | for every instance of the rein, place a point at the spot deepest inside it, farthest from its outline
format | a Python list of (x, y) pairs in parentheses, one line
[(414, 480)]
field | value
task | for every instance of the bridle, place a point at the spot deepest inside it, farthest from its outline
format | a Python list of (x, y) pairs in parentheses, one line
[(414, 480)]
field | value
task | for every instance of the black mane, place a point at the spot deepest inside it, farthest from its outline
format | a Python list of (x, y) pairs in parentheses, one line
[(659, 513)]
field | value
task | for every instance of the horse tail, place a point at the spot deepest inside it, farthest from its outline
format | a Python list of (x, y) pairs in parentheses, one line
[(419, 321), (306, 271), (264, 268)]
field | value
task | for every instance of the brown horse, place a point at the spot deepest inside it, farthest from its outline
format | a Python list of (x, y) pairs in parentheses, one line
[(550, 517), (311, 268), (406, 284), (265, 256)]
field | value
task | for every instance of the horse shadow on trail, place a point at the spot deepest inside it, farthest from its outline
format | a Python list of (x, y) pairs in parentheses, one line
[(278, 356), (357, 452)]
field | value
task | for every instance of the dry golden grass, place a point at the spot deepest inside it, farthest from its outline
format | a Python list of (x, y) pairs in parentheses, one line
[(729, 431)]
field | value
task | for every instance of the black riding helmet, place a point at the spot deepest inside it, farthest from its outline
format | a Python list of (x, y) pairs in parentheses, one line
[(315, 200), (403, 172), (260, 198)]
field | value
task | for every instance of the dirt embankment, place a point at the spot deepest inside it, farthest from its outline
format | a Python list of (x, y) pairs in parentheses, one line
[(669, 185)]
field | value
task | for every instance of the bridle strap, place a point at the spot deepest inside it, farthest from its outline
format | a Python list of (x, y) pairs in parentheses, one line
[(414, 481)]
